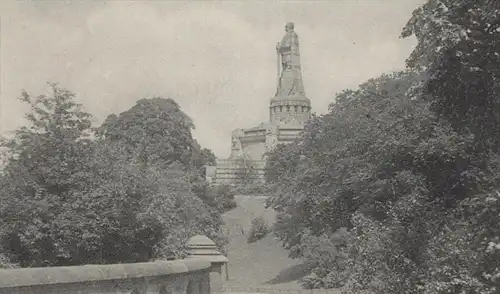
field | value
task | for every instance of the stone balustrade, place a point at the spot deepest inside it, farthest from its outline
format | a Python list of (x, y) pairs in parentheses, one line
[(200, 273)]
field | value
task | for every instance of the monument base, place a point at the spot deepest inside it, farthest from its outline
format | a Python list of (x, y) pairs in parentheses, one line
[(232, 172)]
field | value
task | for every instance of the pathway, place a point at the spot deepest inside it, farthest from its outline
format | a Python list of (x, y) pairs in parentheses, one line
[(261, 266)]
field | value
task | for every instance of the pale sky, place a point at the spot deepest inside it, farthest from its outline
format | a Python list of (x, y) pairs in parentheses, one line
[(217, 59)]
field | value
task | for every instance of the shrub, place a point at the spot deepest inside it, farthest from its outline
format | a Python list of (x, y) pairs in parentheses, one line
[(6, 263), (258, 230), (220, 197), (251, 189), (327, 259), (224, 197)]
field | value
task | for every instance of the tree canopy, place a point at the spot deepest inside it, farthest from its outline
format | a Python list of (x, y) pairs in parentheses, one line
[(154, 130)]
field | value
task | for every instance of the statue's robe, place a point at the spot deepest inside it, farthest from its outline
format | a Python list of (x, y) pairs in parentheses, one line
[(290, 81), (289, 45)]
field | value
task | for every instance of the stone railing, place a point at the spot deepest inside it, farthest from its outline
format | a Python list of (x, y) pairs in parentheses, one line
[(200, 273), (226, 290)]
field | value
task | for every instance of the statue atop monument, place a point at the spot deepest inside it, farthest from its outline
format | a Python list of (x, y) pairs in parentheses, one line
[(288, 62), (289, 111)]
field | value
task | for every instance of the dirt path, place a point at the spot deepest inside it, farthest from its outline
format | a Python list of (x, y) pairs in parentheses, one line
[(263, 264)]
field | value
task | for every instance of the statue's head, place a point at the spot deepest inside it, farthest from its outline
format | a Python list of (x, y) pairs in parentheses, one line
[(289, 26)]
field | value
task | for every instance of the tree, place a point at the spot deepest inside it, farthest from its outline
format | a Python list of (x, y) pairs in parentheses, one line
[(365, 166), (246, 173), (280, 162), (47, 164), (155, 134), (153, 131), (458, 44), (208, 156), (458, 48), (202, 157)]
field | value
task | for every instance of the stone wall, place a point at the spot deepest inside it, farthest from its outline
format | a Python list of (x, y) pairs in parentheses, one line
[(180, 276), (228, 169), (255, 150), (253, 142), (289, 133), (253, 145), (200, 273), (278, 290)]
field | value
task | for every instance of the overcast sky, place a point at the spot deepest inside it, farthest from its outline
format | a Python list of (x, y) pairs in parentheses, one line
[(216, 59)]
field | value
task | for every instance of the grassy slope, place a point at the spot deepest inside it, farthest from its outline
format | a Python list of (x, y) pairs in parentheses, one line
[(263, 264)]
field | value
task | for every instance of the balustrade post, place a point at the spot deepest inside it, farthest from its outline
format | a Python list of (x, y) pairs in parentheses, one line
[(203, 248)]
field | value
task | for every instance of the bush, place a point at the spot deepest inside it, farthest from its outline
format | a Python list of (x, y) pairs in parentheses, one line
[(259, 230), (251, 189), (326, 258), (6, 263), (224, 197), (220, 197)]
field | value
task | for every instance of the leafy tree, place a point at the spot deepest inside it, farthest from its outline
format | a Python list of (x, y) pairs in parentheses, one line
[(374, 165), (339, 156), (281, 162), (208, 156), (153, 131), (459, 48), (156, 135), (201, 158), (248, 177), (246, 173), (47, 163)]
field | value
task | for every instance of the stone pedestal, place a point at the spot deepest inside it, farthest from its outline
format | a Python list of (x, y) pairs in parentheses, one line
[(202, 247)]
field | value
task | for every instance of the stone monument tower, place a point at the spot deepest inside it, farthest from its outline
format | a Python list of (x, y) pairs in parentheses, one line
[(289, 110), (289, 104)]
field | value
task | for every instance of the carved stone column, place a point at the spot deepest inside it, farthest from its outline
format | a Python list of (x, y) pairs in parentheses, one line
[(203, 248)]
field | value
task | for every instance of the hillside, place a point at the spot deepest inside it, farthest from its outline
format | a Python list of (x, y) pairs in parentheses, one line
[(263, 264)]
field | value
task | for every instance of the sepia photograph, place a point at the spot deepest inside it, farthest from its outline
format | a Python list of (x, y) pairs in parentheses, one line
[(250, 146)]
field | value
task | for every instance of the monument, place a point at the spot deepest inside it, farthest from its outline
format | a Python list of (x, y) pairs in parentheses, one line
[(289, 110)]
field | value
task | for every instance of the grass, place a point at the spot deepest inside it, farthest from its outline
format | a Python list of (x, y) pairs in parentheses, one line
[(262, 264)]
